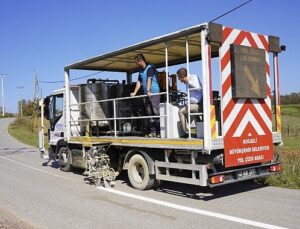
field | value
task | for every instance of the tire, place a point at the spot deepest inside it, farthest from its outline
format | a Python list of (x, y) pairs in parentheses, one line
[(64, 159), (138, 173), (158, 184)]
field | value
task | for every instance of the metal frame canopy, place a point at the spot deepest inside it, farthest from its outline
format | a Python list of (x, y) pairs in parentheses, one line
[(154, 50), (200, 42)]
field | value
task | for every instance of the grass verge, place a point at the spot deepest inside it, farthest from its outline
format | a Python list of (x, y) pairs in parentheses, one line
[(25, 130), (290, 174)]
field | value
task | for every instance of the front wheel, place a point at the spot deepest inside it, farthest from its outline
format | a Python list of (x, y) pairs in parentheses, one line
[(64, 159), (138, 173)]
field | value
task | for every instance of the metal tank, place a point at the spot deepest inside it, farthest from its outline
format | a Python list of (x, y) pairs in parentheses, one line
[(98, 89), (94, 90)]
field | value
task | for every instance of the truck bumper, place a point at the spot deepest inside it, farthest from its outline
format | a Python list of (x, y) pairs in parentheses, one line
[(242, 174)]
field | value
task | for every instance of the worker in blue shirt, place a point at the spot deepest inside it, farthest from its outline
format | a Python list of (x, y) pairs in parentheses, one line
[(148, 79), (196, 103)]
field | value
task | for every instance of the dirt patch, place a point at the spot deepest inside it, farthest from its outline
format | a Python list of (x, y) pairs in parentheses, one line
[(9, 220)]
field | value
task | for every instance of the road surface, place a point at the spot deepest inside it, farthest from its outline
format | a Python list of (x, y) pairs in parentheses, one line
[(45, 197)]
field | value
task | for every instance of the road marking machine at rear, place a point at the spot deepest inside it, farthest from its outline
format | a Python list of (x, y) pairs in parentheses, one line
[(99, 127)]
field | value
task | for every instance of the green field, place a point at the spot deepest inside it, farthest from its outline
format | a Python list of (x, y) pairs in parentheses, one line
[(290, 151), (292, 110)]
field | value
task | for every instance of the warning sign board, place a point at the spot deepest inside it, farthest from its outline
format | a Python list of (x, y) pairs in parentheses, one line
[(249, 143), (246, 98), (248, 72)]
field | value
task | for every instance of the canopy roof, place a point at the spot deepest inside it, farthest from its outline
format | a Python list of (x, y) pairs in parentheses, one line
[(154, 51)]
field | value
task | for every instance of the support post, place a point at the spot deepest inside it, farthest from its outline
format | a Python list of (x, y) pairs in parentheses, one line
[(115, 120), (206, 86), (187, 86), (2, 93), (128, 78), (167, 90), (42, 143), (277, 94), (67, 105), (193, 162), (167, 155)]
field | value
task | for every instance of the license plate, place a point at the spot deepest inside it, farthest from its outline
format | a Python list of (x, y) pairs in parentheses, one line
[(246, 173)]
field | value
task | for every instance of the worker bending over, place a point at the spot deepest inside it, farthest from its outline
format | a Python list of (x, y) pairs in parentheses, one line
[(191, 81)]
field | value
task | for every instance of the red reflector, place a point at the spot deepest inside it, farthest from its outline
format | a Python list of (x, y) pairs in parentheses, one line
[(275, 168), (217, 179)]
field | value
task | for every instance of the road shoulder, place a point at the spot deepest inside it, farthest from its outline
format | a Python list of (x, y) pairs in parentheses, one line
[(9, 220)]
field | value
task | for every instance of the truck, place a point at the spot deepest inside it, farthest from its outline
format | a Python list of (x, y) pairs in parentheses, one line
[(98, 127)]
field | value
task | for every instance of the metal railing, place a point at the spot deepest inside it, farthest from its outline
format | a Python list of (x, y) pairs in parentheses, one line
[(189, 109), (115, 118)]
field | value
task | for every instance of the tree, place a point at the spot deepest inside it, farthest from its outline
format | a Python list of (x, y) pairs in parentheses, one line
[(29, 107), (293, 98)]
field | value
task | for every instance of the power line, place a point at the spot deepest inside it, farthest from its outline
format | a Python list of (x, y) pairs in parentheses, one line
[(230, 11), (62, 81)]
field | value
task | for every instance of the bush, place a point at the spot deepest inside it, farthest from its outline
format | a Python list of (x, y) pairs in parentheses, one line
[(289, 177)]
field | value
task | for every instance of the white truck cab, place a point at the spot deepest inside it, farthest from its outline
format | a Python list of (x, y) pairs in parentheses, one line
[(53, 109)]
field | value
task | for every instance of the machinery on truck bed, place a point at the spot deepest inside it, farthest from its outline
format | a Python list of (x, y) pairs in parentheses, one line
[(98, 127)]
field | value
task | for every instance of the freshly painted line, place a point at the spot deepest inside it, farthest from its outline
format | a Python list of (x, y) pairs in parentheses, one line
[(193, 210), (33, 168), (163, 203)]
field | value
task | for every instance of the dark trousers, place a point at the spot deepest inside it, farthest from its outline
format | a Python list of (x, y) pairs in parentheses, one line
[(152, 109)]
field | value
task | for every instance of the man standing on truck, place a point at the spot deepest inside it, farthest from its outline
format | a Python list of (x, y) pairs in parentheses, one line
[(191, 81), (148, 78)]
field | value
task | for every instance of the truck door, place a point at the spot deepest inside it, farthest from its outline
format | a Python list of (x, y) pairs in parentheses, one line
[(55, 109)]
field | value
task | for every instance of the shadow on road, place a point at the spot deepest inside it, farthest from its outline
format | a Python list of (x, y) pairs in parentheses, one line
[(52, 164), (200, 193), (182, 190), (206, 193)]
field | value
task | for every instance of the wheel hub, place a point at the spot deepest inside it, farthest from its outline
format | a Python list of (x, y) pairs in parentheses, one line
[(138, 172)]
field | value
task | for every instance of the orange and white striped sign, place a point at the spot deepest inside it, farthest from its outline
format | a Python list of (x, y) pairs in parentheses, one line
[(247, 123)]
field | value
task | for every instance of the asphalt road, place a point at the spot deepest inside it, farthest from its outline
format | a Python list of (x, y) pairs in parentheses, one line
[(46, 197)]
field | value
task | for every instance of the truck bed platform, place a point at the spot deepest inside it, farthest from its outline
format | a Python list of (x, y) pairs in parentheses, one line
[(160, 143)]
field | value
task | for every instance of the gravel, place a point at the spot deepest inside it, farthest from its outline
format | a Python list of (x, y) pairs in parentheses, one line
[(9, 220)]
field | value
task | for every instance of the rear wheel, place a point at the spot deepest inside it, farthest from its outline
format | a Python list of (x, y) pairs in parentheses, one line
[(138, 173), (64, 159)]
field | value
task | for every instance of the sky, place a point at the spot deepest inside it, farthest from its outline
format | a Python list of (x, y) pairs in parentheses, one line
[(43, 37)]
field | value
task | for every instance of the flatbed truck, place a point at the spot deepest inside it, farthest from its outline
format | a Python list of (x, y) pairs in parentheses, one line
[(99, 127)]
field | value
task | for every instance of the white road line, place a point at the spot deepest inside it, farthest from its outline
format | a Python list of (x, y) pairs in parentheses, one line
[(193, 210), (33, 168), (163, 203)]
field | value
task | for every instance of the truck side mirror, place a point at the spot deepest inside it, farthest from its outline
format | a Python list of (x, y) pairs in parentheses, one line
[(46, 107)]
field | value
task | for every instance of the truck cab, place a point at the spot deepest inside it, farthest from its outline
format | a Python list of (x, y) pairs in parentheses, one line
[(53, 110)]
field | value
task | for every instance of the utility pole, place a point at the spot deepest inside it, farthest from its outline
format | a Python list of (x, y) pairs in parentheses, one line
[(41, 92), (2, 93), (35, 86), (21, 103)]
